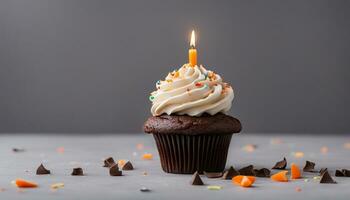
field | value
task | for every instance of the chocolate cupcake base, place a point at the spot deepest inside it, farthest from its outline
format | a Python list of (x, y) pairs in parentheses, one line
[(186, 154)]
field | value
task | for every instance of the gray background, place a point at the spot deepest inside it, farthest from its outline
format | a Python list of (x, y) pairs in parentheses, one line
[(88, 66)]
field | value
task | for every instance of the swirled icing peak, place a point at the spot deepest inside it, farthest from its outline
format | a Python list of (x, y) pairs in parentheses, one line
[(191, 91)]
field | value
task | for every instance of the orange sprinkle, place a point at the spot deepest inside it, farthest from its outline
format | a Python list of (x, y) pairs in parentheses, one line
[(198, 84), (324, 150), (147, 156), (295, 171), (121, 163), (176, 74), (280, 176), (21, 183)]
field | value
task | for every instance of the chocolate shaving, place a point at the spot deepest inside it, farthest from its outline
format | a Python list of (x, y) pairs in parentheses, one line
[(196, 179), (263, 172), (326, 178), (322, 170), (346, 172), (213, 174), (309, 166), (17, 150), (127, 166), (230, 173), (109, 162), (42, 170), (339, 173), (281, 164), (247, 171), (77, 172), (114, 171)]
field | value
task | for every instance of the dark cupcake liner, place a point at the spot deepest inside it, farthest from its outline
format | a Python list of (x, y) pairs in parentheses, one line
[(186, 154)]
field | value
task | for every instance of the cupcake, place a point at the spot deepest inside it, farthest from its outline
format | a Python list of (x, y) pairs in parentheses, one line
[(189, 121)]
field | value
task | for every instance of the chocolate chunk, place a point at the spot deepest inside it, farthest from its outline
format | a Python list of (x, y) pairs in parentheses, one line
[(196, 179), (263, 172), (230, 173), (42, 170), (326, 178), (346, 172), (281, 164), (144, 189), (77, 172), (108, 162), (339, 173), (322, 170), (17, 150), (247, 171), (213, 174), (309, 166), (127, 166), (114, 171)]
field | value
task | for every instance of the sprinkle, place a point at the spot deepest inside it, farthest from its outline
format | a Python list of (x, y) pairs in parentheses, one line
[(346, 145), (324, 150), (158, 82), (298, 154), (60, 150), (139, 146), (298, 189), (169, 81), (249, 147), (198, 84), (57, 185), (214, 187), (147, 156), (151, 98), (176, 74)]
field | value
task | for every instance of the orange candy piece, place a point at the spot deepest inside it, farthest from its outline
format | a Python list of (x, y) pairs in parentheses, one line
[(147, 156), (244, 181), (295, 171), (25, 184), (280, 176)]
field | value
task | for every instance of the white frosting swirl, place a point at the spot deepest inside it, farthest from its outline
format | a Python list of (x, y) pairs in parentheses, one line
[(191, 91)]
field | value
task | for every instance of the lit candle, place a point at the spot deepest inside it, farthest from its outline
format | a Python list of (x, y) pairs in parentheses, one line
[(192, 53)]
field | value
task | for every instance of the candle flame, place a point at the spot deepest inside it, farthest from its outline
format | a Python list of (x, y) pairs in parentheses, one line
[(193, 39)]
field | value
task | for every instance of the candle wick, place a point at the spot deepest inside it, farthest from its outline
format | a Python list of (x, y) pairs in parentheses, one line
[(192, 47)]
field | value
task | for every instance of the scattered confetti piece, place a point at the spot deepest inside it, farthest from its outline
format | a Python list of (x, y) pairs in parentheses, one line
[(21, 183), (298, 189), (346, 145), (324, 150), (57, 185), (139, 146), (214, 187), (60, 150), (249, 147), (298, 154), (144, 189), (147, 156), (280, 176), (295, 171)]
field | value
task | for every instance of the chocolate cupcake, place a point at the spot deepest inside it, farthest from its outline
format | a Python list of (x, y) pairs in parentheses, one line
[(189, 124)]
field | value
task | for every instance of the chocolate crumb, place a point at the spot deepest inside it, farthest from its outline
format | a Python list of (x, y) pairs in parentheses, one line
[(77, 172), (281, 164), (247, 171), (230, 173), (109, 162), (309, 166), (263, 172), (326, 178), (127, 166), (41, 170), (196, 179), (114, 171), (213, 174)]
